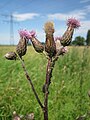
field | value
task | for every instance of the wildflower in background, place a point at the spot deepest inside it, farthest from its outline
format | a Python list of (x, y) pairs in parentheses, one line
[(72, 23), (50, 46)]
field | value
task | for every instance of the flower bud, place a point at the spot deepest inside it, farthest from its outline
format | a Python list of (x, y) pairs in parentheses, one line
[(21, 48), (37, 45), (35, 42), (67, 37), (58, 43), (62, 50), (11, 56), (50, 46)]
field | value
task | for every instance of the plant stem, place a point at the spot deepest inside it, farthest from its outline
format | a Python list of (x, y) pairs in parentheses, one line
[(49, 70), (32, 86)]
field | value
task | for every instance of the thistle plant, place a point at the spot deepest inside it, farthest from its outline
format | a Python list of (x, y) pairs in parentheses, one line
[(53, 49)]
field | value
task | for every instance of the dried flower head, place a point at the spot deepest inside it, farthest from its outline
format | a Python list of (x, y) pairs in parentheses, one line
[(50, 46), (73, 22), (27, 34), (49, 27)]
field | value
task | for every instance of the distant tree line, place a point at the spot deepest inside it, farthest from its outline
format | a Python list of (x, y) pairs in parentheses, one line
[(80, 41)]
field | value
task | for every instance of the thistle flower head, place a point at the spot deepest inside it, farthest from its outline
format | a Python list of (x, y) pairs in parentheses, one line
[(32, 34), (73, 23), (24, 33), (27, 34)]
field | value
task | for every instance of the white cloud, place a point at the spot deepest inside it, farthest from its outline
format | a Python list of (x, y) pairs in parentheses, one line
[(60, 16), (25, 16), (80, 14), (85, 26), (84, 1)]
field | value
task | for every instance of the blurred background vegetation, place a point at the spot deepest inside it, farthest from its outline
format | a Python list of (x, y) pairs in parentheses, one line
[(69, 89), (81, 41)]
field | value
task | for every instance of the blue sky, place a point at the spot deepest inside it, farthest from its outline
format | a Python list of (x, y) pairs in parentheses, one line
[(32, 14)]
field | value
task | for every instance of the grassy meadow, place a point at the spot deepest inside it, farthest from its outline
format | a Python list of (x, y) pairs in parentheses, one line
[(68, 92)]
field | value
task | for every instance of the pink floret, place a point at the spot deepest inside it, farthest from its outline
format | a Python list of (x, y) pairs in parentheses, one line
[(73, 22), (27, 34), (58, 38), (32, 34)]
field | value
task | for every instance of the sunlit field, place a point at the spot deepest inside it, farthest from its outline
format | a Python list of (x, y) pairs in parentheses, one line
[(68, 92)]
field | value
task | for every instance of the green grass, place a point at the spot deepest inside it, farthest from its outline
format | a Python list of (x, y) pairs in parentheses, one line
[(68, 96)]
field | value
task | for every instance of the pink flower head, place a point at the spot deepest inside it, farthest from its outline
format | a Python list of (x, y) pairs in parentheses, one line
[(27, 34), (32, 34), (58, 38), (73, 22)]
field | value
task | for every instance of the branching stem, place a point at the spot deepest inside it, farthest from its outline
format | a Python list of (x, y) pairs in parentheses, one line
[(49, 70), (32, 86), (50, 66)]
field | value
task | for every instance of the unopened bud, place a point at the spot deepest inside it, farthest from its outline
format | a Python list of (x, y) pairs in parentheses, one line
[(11, 56), (58, 43), (37, 45), (62, 51), (21, 48)]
